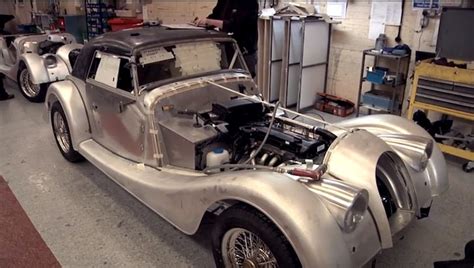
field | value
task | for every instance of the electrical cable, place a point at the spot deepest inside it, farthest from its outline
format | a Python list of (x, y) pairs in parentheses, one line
[(312, 113), (253, 155), (419, 39)]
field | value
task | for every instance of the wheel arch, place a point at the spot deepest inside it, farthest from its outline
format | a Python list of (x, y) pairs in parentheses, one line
[(34, 63), (300, 227), (66, 93), (436, 172), (40, 74)]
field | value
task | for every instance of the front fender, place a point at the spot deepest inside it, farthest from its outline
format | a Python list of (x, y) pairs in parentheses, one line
[(436, 172), (182, 198), (40, 74), (66, 93), (300, 215)]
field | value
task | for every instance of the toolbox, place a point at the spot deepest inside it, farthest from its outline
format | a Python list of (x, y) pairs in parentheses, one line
[(376, 75), (379, 99), (334, 105)]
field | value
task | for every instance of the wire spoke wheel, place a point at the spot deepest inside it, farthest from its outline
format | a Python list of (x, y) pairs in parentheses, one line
[(31, 90), (61, 132), (242, 248)]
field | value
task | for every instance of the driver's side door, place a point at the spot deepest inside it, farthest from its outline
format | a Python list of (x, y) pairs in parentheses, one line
[(116, 120)]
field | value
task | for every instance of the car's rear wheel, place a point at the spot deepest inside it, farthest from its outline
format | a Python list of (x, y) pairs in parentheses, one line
[(244, 237), (31, 91), (62, 134)]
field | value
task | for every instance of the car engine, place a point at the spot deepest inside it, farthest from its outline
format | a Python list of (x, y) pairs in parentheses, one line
[(247, 132)]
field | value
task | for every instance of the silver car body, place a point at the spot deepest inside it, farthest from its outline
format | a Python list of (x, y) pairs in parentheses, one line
[(128, 138), (18, 50)]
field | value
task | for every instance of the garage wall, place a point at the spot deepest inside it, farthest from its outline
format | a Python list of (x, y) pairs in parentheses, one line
[(348, 41)]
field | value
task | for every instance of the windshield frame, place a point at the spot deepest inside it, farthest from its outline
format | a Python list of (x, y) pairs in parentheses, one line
[(238, 55)]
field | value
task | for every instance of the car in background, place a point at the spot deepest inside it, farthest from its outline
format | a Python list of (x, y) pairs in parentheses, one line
[(34, 60), (175, 118)]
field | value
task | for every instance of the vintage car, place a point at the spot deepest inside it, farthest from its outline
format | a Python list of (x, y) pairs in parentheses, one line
[(174, 117), (36, 60)]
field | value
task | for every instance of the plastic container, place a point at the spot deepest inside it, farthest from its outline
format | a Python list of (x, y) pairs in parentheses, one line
[(118, 24), (217, 157), (376, 75), (379, 99), (380, 42)]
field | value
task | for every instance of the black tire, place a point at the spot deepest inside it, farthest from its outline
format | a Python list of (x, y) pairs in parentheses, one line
[(248, 218), (36, 98), (65, 145)]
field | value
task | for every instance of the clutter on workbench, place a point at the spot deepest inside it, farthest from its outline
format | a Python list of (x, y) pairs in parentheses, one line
[(334, 105), (448, 63)]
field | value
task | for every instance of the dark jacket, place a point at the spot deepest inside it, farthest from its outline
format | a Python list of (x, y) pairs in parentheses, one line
[(240, 18)]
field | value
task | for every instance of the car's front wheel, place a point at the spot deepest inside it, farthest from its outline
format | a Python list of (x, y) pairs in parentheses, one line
[(62, 135), (244, 237), (31, 91)]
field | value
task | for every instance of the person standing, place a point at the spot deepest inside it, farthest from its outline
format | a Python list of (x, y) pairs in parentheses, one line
[(4, 19), (3, 93), (240, 18)]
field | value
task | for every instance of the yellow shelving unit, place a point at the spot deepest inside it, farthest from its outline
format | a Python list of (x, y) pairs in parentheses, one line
[(445, 90)]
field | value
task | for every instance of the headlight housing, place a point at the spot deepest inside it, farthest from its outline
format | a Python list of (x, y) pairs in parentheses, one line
[(347, 204), (50, 61), (355, 212)]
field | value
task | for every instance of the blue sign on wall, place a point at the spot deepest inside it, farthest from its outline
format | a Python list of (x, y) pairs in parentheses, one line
[(425, 4)]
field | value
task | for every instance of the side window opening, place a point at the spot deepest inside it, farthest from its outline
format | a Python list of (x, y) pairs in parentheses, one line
[(112, 71), (125, 80)]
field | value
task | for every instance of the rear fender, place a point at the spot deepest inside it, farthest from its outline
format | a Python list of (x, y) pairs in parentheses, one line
[(40, 73), (66, 93), (63, 53)]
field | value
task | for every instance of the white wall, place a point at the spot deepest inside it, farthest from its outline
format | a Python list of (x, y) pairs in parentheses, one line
[(348, 40)]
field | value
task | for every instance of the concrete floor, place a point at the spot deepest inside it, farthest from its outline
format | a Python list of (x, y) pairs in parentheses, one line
[(87, 220)]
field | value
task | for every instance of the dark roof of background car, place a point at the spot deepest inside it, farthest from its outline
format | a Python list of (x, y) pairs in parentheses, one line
[(125, 42), (133, 39)]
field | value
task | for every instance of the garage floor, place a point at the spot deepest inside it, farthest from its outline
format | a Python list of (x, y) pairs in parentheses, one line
[(87, 220)]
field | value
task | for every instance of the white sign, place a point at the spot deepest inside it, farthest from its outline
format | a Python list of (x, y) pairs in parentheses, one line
[(108, 70), (387, 12), (336, 9), (155, 55)]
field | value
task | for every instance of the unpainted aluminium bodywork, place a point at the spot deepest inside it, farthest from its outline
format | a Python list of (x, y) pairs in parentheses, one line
[(137, 158), (23, 51)]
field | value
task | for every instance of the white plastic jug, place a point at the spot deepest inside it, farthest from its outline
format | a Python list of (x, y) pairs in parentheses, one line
[(217, 157)]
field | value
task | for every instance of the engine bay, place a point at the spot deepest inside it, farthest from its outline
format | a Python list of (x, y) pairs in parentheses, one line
[(240, 131)]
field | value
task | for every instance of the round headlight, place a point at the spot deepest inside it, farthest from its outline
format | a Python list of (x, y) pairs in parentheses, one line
[(426, 155), (50, 61), (355, 213)]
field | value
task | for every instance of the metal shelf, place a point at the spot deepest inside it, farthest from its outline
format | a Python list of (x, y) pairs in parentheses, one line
[(396, 88), (374, 108), (385, 84), (384, 55), (96, 18)]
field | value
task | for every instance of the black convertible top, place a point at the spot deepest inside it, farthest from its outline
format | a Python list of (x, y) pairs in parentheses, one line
[(127, 42)]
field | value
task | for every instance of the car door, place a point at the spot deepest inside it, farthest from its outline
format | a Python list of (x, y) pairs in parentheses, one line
[(116, 120)]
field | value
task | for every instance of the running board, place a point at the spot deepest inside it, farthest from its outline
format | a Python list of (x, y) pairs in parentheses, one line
[(155, 188)]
